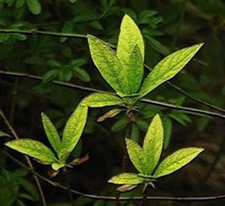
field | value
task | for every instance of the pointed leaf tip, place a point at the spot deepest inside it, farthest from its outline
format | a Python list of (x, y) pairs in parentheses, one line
[(177, 160), (51, 133), (34, 149), (168, 68)]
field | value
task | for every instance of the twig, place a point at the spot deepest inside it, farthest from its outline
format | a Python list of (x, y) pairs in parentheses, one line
[(42, 33), (113, 198), (26, 157), (189, 110), (69, 35)]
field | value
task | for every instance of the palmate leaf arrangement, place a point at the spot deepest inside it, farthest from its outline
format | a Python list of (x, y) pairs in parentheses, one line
[(123, 70)]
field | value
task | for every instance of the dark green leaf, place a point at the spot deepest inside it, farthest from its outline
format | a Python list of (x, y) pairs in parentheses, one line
[(34, 6)]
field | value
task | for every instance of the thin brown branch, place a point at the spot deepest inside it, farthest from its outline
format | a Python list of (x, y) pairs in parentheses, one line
[(189, 110), (113, 198), (26, 157)]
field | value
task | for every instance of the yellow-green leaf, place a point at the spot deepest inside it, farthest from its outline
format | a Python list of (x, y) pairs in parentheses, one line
[(129, 37), (152, 146), (176, 161), (51, 133), (135, 153), (126, 178), (73, 130), (168, 68), (107, 63), (130, 51), (101, 100), (34, 149)]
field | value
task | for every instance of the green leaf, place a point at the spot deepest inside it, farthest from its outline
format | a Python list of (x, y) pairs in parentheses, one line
[(129, 37), (107, 63), (34, 149), (132, 71), (3, 134), (81, 74), (152, 146), (73, 130), (136, 155), (101, 100), (168, 68), (51, 132), (34, 6), (56, 166), (176, 161), (130, 51), (126, 178)]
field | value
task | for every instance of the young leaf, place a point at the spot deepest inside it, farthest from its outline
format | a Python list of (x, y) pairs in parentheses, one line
[(109, 114), (126, 188), (132, 71), (168, 68), (176, 161), (152, 146), (73, 129), (51, 133), (129, 37), (126, 178), (34, 149), (136, 155), (130, 51), (107, 63), (101, 100), (34, 6)]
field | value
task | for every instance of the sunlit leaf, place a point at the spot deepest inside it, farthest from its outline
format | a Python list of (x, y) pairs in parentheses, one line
[(153, 144), (107, 63), (101, 100), (34, 149), (130, 51), (176, 161), (51, 133), (73, 129), (56, 166), (168, 68), (129, 37), (34, 6), (136, 155), (126, 178)]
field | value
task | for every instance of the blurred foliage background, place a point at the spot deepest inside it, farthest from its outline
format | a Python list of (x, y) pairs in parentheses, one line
[(166, 25)]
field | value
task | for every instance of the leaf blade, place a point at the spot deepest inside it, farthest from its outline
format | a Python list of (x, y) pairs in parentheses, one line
[(176, 161), (126, 178), (51, 133), (73, 130), (168, 68), (101, 100), (107, 63), (153, 143), (34, 149), (135, 153)]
